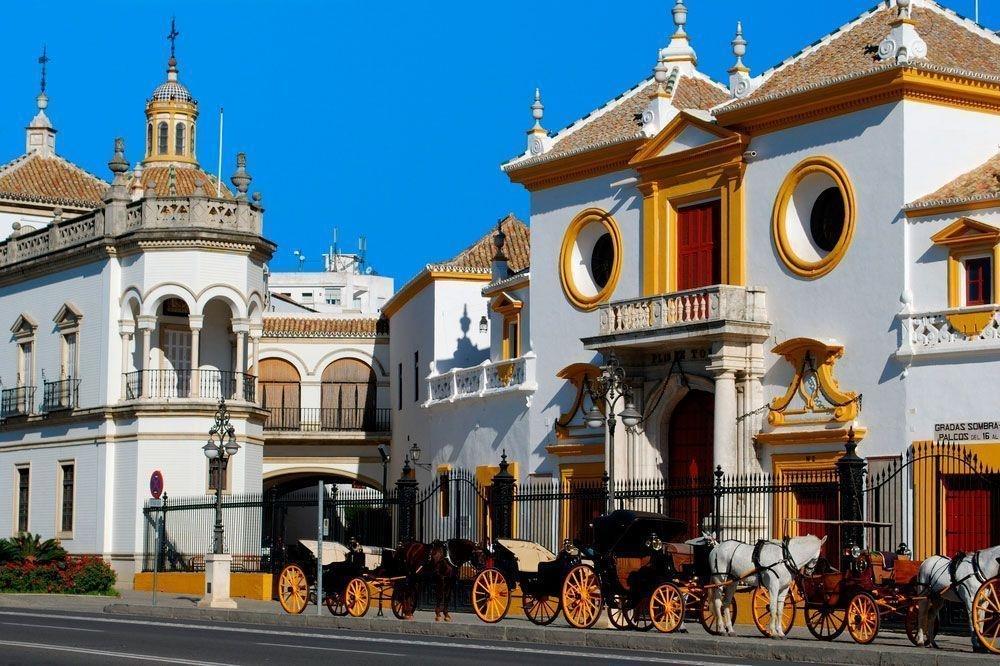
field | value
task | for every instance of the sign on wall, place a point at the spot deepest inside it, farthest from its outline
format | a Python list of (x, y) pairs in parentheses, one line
[(156, 484), (967, 431)]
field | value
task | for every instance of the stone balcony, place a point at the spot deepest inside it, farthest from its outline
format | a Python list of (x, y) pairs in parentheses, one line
[(119, 217), (951, 332), (490, 378), (706, 313)]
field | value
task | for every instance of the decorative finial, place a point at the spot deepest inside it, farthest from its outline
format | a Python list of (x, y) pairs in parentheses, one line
[(538, 109), (538, 137), (680, 13), (171, 181), (739, 44), (903, 9), (499, 240), (174, 34), (740, 83), (240, 178), (903, 43), (661, 73), (118, 163), (43, 60), (679, 50)]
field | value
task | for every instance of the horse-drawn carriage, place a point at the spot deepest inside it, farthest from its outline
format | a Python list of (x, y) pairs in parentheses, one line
[(539, 573)]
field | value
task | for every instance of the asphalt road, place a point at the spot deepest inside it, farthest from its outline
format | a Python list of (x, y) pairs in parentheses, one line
[(83, 638)]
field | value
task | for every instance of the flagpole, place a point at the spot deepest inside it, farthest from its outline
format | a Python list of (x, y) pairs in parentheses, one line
[(218, 179)]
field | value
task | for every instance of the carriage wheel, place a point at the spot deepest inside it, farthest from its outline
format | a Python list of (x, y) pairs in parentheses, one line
[(986, 614), (356, 597), (762, 611), (638, 616), (404, 601), (541, 610), (617, 613), (825, 622), (862, 618), (293, 589), (336, 605), (666, 608), (912, 626), (490, 596), (707, 618), (581, 597)]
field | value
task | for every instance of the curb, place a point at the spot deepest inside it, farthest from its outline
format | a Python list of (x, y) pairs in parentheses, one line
[(741, 648)]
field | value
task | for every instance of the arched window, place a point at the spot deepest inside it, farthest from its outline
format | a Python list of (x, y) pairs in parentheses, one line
[(161, 140), (192, 140), (279, 388), (179, 139), (149, 139), (349, 389)]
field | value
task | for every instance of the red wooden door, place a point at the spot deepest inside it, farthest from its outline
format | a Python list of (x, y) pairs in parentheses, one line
[(689, 457), (968, 515), (698, 245), (820, 503)]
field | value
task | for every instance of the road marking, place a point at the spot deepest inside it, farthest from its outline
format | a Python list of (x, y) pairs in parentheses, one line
[(51, 626), (116, 655), (391, 641), (330, 649)]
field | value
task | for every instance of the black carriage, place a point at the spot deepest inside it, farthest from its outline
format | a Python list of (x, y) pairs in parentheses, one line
[(631, 571), (539, 573)]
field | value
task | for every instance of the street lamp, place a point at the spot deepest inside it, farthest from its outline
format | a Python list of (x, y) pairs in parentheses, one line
[(221, 446), (386, 457), (484, 324), (414, 454), (611, 386)]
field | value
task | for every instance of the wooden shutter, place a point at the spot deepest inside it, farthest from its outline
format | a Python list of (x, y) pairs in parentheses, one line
[(698, 245)]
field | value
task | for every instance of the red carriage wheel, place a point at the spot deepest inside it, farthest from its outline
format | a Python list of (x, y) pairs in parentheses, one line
[(913, 627), (862, 618), (581, 597), (707, 618), (762, 611), (541, 610), (404, 601), (293, 589), (825, 622), (357, 599), (986, 614), (666, 608), (490, 596)]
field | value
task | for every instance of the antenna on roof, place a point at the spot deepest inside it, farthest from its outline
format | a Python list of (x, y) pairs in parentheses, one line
[(977, 11), (218, 179), (362, 249)]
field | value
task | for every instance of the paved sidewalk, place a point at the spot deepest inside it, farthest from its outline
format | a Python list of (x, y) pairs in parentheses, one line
[(889, 648)]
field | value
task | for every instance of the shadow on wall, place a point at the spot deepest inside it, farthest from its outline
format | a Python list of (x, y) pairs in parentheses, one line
[(466, 353)]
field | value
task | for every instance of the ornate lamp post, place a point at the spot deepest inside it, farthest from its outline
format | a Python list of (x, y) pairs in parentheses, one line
[(611, 387), (221, 446), (414, 457)]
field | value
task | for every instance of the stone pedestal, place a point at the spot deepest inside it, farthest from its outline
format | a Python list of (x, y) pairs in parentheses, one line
[(217, 582)]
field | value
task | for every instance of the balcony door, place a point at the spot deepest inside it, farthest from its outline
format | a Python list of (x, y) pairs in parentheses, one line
[(280, 393), (690, 444), (176, 378), (349, 389), (699, 244)]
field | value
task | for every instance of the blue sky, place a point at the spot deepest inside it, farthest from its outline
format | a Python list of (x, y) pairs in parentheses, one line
[(389, 118)]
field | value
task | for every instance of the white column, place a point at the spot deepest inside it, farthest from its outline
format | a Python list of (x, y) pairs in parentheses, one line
[(255, 341), (126, 347), (146, 324), (724, 449), (241, 338), (195, 362)]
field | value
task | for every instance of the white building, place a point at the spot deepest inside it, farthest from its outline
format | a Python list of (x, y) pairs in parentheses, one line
[(759, 254), (346, 286)]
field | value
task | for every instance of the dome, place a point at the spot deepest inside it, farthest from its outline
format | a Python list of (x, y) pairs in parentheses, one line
[(172, 91)]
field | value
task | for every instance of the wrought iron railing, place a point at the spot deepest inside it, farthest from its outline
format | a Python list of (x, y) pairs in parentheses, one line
[(204, 384), (325, 419), (17, 401), (61, 394)]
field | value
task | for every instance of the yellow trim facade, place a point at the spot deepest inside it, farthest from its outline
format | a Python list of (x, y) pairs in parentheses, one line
[(424, 278), (966, 238), (577, 298), (797, 265)]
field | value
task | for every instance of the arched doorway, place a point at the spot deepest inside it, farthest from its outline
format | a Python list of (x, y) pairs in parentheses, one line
[(690, 440), (349, 390), (280, 394)]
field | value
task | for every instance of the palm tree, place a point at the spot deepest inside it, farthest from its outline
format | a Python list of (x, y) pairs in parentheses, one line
[(29, 548)]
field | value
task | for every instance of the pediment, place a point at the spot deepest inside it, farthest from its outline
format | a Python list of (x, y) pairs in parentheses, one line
[(686, 132), (67, 316), (965, 232), (505, 303), (24, 325)]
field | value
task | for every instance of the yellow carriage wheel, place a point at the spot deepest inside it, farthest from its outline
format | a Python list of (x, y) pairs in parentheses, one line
[(581, 597), (356, 597), (762, 611), (862, 618), (986, 614), (490, 596), (541, 609), (666, 608), (293, 589), (707, 617)]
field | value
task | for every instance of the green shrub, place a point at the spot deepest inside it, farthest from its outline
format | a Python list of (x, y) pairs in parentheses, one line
[(71, 575), (30, 548)]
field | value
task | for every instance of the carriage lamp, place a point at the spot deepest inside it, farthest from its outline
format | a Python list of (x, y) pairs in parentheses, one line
[(484, 324), (220, 447), (654, 543), (415, 452), (855, 552)]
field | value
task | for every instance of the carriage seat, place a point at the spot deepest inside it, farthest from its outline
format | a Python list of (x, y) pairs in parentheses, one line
[(333, 552), (529, 555), (681, 554), (373, 556)]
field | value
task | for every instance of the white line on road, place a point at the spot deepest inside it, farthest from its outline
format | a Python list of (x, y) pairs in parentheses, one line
[(114, 655), (51, 626), (508, 649), (330, 649)]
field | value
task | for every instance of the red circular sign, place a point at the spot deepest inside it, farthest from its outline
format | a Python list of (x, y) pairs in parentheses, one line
[(156, 484)]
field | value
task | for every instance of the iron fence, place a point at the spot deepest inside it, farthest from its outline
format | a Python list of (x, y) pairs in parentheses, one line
[(17, 401), (62, 394), (208, 384), (326, 419)]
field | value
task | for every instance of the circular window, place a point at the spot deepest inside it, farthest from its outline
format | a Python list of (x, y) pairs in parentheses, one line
[(814, 217), (590, 260)]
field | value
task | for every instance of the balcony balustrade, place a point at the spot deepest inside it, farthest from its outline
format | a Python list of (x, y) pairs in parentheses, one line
[(209, 385), (328, 419), (488, 378), (61, 394), (955, 331), (17, 401)]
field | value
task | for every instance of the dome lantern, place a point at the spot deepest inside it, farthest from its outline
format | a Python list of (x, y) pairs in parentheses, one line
[(171, 114)]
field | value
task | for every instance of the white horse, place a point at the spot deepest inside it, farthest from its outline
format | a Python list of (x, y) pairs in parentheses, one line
[(779, 564), (939, 580)]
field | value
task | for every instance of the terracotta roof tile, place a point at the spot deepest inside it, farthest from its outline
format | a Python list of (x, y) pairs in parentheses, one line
[(479, 256), (184, 179), (51, 180), (310, 326), (983, 182), (853, 48)]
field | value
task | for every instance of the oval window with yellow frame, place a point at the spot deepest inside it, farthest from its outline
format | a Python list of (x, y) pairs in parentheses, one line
[(590, 259)]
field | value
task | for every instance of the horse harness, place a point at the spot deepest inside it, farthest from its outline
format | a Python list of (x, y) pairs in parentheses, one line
[(977, 570), (786, 560)]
